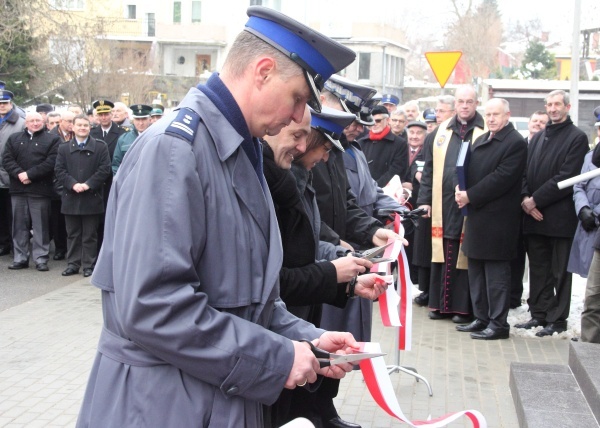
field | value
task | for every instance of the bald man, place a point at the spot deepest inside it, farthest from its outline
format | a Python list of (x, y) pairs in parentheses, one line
[(29, 159)]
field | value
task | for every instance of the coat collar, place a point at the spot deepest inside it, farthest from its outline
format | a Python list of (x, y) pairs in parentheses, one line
[(499, 136), (477, 121), (226, 138), (90, 146)]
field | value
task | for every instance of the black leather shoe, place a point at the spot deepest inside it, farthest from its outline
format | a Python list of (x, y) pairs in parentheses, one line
[(4, 251), (70, 271), (88, 272), (19, 265), (532, 323), (475, 326), (42, 267), (462, 319), (437, 315), (338, 422), (490, 334), (422, 299), (59, 255), (552, 328)]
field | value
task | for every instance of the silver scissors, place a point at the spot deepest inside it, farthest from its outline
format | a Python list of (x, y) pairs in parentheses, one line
[(374, 254), (327, 359)]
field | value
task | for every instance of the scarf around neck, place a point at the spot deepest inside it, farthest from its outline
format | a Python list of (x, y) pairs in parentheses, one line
[(380, 135)]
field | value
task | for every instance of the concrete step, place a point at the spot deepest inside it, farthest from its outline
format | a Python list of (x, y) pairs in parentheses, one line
[(584, 362), (548, 396)]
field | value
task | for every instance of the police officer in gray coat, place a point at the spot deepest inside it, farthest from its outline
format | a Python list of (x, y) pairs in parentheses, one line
[(195, 334)]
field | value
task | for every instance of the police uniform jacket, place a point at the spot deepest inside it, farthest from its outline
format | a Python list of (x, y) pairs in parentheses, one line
[(386, 157), (195, 334), (34, 154), (123, 143), (369, 196), (110, 138), (341, 217), (494, 179), (90, 165), (554, 154), (11, 124)]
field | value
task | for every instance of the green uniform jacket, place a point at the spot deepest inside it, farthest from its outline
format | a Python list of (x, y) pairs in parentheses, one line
[(123, 143)]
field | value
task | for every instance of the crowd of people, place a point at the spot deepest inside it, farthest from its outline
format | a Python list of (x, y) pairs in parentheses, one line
[(229, 233), (58, 192)]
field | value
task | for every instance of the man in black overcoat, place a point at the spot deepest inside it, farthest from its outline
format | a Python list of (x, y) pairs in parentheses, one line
[(82, 166), (554, 154), (493, 197)]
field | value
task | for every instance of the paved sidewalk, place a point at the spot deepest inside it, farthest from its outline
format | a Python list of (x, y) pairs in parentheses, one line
[(47, 345)]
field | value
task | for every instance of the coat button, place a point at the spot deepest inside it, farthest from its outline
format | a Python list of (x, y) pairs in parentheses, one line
[(233, 390)]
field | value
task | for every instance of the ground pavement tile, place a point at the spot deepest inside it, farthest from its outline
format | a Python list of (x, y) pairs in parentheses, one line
[(49, 344)]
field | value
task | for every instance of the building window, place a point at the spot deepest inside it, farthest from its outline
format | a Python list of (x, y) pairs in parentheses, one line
[(364, 66), (150, 25), (130, 11), (196, 15), (68, 53), (68, 4), (176, 12)]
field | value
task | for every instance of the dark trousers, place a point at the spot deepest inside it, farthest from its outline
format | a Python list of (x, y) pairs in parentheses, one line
[(82, 240), (590, 317), (489, 285), (5, 219), (424, 279), (517, 271), (31, 212), (549, 281), (58, 229)]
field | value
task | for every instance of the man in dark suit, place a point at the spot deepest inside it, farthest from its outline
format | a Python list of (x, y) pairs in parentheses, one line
[(549, 226), (82, 167), (109, 132), (493, 197)]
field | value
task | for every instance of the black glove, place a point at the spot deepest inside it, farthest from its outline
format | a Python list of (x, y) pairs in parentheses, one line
[(588, 219)]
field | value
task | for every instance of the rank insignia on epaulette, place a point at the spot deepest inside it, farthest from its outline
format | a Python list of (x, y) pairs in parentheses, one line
[(185, 124)]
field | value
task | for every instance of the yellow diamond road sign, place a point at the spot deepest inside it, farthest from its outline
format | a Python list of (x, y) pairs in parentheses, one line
[(442, 64)]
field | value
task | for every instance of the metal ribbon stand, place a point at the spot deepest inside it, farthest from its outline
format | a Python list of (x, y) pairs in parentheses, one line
[(397, 367), (408, 370)]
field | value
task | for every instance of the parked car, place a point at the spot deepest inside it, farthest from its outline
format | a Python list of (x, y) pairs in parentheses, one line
[(520, 124)]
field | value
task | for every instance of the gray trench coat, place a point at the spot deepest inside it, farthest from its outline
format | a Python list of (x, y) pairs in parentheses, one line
[(194, 333)]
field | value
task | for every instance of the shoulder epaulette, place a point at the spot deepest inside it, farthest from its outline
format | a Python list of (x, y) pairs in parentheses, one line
[(125, 128), (184, 125)]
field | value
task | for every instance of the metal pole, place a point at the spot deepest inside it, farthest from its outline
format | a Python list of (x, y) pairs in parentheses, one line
[(383, 71), (575, 50)]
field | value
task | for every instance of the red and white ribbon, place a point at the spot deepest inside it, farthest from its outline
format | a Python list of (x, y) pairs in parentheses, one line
[(396, 310), (380, 386)]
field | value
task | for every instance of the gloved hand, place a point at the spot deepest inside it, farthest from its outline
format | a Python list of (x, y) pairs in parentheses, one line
[(587, 218)]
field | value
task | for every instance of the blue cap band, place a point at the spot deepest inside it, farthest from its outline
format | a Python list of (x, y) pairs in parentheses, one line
[(327, 125), (292, 43)]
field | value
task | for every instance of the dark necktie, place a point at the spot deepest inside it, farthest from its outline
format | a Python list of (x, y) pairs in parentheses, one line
[(81, 145), (104, 133)]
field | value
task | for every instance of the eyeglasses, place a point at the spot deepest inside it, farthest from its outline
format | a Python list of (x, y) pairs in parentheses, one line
[(467, 102), (378, 120), (398, 120), (327, 148)]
